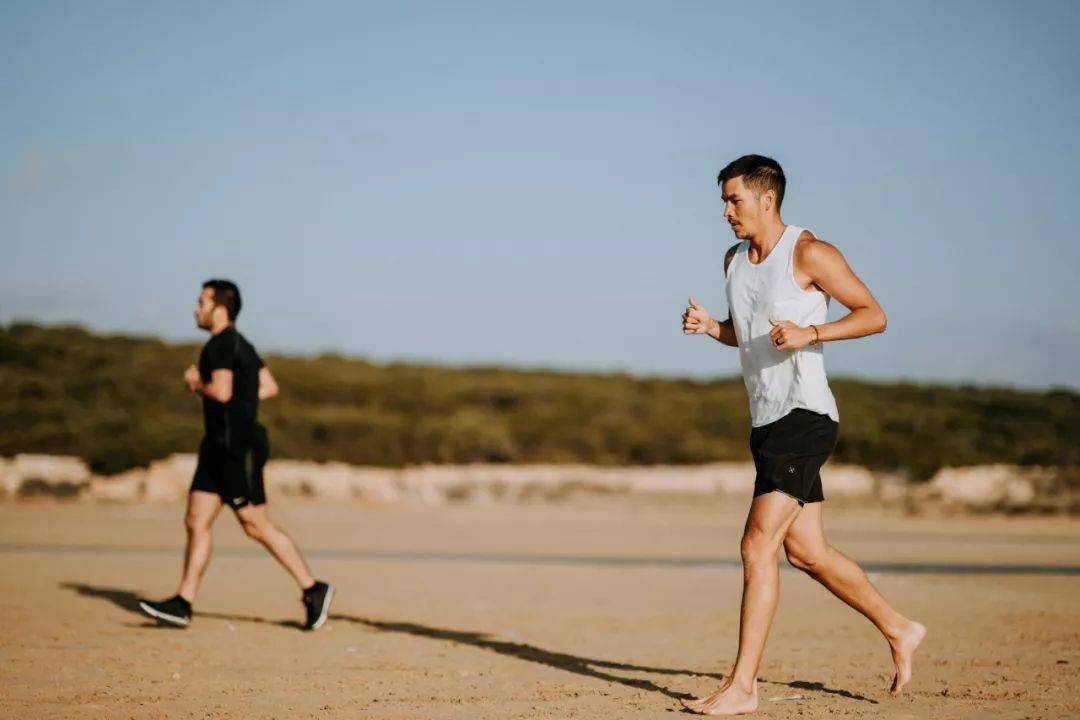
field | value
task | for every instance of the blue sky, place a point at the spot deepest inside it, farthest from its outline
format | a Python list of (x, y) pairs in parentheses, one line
[(534, 183)]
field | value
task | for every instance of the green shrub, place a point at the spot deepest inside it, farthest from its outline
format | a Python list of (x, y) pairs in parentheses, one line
[(119, 402)]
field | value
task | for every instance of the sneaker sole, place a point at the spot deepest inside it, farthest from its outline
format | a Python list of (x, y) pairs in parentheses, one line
[(325, 608), (164, 617)]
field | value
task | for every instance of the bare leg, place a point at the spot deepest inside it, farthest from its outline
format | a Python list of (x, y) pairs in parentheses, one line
[(256, 523), (202, 511), (808, 551), (767, 524)]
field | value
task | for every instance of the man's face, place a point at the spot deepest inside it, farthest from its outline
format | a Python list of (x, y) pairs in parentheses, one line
[(204, 308), (744, 209)]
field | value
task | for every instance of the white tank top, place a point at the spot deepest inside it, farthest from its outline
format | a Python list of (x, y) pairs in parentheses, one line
[(777, 381)]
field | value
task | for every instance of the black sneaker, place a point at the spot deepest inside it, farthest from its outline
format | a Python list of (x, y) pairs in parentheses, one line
[(174, 611), (317, 604)]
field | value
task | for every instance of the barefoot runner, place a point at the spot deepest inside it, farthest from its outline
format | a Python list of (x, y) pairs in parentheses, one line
[(779, 282), (231, 379)]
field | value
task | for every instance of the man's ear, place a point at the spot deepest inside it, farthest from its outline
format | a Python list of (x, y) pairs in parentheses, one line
[(768, 200)]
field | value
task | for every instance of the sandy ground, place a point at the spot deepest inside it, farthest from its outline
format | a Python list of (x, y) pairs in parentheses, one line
[(602, 609)]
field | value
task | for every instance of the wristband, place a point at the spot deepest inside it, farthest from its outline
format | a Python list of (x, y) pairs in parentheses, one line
[(817, 336)]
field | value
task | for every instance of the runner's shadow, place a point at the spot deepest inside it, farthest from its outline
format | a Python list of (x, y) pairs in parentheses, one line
[(127, 600), (587, 667), (563, 661), (820, 687), (124, 599)]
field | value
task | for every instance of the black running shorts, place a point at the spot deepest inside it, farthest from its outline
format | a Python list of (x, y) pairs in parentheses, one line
[(235, 473), (788, 454)]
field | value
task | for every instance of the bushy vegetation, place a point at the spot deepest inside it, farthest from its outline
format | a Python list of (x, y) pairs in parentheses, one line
[(119, 402)]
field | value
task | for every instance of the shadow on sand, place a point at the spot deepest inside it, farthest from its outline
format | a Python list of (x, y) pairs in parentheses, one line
[(587, 667), (128, 600)]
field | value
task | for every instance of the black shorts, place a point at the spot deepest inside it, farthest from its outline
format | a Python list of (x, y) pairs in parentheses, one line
[(235, 473), (788, 454)]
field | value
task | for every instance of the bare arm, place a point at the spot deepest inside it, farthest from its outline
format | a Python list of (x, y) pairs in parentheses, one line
[(268, 386), (697, 321), (819, 264), (827, 268), (219, 388)]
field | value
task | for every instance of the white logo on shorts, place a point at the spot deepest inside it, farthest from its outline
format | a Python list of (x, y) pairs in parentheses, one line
[(237, 501)]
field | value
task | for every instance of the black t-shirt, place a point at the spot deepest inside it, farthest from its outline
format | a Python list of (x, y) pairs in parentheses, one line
[(231, 423)]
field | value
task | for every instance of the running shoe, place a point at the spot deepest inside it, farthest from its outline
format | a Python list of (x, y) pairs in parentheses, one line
[(174, 611), (317, 604)]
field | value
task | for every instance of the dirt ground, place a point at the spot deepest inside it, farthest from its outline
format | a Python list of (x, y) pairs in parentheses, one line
[(589, 609)]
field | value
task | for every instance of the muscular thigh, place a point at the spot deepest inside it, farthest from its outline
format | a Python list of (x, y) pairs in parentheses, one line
[(256, 515), (806, 535), (771, 515), (203, 507)]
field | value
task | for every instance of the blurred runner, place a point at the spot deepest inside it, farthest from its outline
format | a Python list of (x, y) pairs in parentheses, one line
[(231, 379)]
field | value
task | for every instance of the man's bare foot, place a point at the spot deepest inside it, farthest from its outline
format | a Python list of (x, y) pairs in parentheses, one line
[(903, 651), (696, 704), (730, 699)]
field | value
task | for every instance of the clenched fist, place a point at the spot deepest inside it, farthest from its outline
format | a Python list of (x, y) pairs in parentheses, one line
[(786, 335), (696, 320), (192, 378)]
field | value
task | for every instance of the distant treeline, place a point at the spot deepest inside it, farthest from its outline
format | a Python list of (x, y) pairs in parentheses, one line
[(119, 402)]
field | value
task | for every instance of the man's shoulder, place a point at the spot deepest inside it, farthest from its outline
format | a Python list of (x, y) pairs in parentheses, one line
[(245, 343), (809, 248), (246, 351)]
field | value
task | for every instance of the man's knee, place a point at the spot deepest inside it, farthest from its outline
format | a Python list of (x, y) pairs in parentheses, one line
[(255, 524), (803, 557), (757, 547), (196, 524), (254, 529)]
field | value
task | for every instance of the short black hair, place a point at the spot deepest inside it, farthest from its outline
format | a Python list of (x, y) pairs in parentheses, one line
[(760, 173), (226, 293)]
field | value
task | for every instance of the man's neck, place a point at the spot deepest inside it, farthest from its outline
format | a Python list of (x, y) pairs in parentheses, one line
[(764, 241), (217, 326)]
